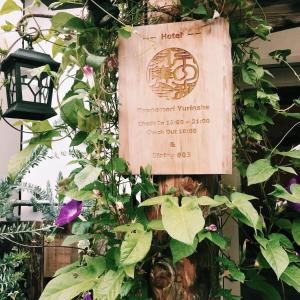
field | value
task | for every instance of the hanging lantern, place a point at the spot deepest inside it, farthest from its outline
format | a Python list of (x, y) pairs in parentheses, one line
[(28, 95)]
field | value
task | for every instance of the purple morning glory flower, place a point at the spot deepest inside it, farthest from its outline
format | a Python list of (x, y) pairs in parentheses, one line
[(88, 70), (87, 296), (89, 73), (212, 227), (294, 206), (69, 212)]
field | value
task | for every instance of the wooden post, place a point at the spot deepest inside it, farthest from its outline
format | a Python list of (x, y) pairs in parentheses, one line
[(195, 277)]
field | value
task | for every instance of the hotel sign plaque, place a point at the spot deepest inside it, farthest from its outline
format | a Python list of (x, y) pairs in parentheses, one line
[(175, 91)]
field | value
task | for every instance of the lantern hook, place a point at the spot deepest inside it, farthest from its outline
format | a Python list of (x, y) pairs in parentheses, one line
[(35, 33)]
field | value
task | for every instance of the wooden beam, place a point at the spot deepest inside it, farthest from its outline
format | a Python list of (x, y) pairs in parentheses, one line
[(280, 14)]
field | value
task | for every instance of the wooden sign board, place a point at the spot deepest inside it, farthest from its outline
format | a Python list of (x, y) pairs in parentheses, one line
[(175, 90)]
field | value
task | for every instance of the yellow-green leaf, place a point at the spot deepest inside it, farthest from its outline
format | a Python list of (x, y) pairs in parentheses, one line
[(9, 6), (182, 222), (135, 247), (18, 161), (260, 171)]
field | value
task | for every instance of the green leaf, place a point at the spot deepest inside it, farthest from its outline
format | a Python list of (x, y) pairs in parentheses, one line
[(259, 283), (291, 276), (80, 195), (129, 270), (71, 239), (155, 225), (254, 117), (205, 200), (280, 55), (87, 175), (262, 30), (283, 240), (44, 138), (7, 26), (129, 227), (283, 224), (78, 138), (241, 197), (187, 4), (81, 227), (281, 192), (180, 250), (295, 190), (59, 20), (261, 240), (272, 98), (241, 202), (243, 219), (75, 23), (291, 115), (86, 121), (214, 237), (293, 258), (293, 154), (119, 165), (296, 231), (248, 76), (157, 200), (231, 267), (259, 171), (95, 61), (276, 256), (67, 268), (182, 222), (126, 288), (19, 160), (125, 31), (288, 170), (69, 110), (135, 247), (109, 286), (200, 10), (58, 46), (8, 7), (41, 126), (69, 285)]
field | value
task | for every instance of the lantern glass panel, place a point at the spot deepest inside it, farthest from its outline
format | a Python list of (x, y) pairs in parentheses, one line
[(10, 78), (35, 87)]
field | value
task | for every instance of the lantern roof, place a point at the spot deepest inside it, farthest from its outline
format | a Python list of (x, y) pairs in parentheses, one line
[(29, 57)]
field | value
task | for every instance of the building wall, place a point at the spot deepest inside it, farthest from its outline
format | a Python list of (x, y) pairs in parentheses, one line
[(9, 138), (287, 39)]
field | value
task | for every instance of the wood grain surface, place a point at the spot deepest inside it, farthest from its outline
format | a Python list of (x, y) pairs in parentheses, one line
[(175, 93)]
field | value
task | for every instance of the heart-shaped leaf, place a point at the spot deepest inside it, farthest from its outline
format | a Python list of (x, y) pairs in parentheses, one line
[(182, 222)]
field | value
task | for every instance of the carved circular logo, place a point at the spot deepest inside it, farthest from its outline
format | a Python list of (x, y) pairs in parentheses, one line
[(172, 73)]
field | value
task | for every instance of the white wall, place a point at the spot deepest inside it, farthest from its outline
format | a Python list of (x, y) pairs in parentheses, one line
[(58, 158), (9, 138)]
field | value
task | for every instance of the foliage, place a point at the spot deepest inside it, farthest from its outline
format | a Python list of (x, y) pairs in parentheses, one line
[(122, 238), (12, 268), (19, 166)]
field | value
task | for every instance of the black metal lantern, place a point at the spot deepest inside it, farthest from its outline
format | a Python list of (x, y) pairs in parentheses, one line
[(29, 95)]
